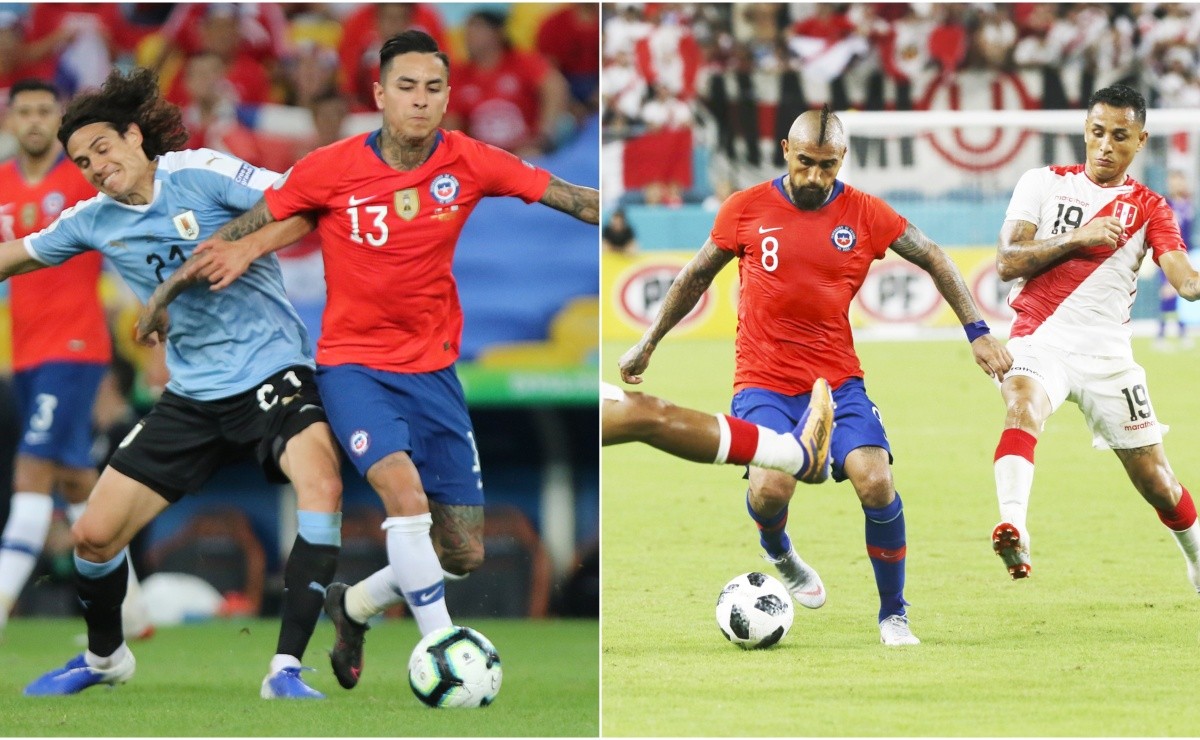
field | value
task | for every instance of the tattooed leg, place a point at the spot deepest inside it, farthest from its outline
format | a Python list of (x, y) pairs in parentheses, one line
[(457, 537)]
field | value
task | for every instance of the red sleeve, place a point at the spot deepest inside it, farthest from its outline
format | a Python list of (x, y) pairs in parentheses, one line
[(1162, 231), (886, 223), (534, 67), (305, 187), (504, 173), (724, 230)]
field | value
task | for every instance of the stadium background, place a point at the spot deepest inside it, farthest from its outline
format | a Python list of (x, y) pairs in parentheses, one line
[(269, 82), (697, 97), (695, 100)]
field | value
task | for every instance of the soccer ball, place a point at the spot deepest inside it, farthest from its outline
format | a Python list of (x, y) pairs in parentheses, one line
[(455, 667), (754, 610)]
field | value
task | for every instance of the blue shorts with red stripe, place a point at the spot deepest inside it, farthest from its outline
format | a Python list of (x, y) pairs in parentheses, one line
[(856, 420), (374, 413), (54, 403)]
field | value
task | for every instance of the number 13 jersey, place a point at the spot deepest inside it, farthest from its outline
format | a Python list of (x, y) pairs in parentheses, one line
[(1081, 303), (388, 239)]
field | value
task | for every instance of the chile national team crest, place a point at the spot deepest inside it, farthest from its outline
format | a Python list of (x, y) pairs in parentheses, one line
[(360, 442), (444, 188), (843, 238)]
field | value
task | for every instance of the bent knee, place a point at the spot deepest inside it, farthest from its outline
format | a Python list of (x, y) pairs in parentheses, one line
[(93, 544)]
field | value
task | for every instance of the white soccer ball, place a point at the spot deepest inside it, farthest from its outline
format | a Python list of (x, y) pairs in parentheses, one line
[(455, 667), (754, 610)]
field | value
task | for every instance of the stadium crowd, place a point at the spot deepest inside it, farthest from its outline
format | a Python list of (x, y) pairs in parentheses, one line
[(669, 65)]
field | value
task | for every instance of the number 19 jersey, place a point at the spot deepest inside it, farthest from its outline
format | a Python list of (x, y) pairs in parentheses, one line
[(799, 271), (1081, 303), (388, 239)]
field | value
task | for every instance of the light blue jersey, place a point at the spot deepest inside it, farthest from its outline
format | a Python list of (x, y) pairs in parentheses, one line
[(219, 343)]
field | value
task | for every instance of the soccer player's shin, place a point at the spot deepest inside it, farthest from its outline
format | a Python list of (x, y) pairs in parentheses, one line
[(1182, 522), (417, 570), (772, 530), (309, 571), (1013, 468), (24, 535), (101, 589), (886, 548)]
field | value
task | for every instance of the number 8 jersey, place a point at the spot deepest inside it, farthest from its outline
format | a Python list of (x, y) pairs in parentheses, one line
[(799, 270), (1081, 303)]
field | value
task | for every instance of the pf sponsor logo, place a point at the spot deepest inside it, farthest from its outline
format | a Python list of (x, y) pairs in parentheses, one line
[(843, 238), (641, 291), (360, 442), (444, 188)]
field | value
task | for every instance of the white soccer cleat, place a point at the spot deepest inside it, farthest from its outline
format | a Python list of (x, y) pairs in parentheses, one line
[(894, 631), (1013, 549), (801, 580)]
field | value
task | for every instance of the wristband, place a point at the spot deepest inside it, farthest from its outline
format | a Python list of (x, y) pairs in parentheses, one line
[(976, 329)]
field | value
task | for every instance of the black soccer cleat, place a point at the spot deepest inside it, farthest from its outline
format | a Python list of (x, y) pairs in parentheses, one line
[(347, 653)]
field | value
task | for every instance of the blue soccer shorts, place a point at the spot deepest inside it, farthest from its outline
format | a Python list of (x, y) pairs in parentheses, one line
[(54, 403), (374, 413), (856, 419)]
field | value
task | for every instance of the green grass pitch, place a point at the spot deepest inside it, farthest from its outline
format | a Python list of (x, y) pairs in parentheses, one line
[(1101, 641), (203, 680)]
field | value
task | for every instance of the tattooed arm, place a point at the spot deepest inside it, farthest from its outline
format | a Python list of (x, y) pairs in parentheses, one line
[(917, 248), (1181, 275), (1020, 255), (573, 200), (221, 259), (685, 291)]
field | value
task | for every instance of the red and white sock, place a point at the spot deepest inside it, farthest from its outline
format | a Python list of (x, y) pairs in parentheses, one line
[(743, 443), (1181, 520), (1013, 468)]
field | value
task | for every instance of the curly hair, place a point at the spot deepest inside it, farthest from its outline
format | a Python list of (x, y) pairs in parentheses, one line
[(123, 100)]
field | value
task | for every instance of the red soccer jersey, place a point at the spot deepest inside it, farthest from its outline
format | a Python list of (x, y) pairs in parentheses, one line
[(799, 270), (56, 312), (388, 241)]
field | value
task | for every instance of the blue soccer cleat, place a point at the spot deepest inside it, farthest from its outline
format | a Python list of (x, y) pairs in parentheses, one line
[(77, 675), (286, 683), (814, 432)]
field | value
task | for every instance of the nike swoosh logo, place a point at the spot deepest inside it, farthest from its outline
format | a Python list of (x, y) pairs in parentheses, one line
[(356, 201), (761, 230)]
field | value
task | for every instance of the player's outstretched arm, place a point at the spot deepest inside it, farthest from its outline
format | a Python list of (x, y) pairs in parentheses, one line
[(15, 260), (235, 246), (573, 200), (1181, 275), (1020, 255), (685, 291), (918, 249)]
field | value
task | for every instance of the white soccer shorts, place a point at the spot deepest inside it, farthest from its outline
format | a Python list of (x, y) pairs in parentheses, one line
[(1110, 391)]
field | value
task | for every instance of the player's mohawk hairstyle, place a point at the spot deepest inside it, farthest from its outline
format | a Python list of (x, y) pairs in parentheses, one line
[(825, 113), (124, 100)]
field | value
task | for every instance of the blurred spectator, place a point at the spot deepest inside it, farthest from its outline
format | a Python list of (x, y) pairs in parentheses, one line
[(258, 31), (511, 99), (1178, 86), (329, 111), (624, 91), (1179, 197), (11, 43), (618, 234), (994, 38), (665, 111), (624, 30), (669, 53), (570, 40), (220, 31), (827, 42), (74, 44), (310, 74), (363, 33), (948, 40)]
